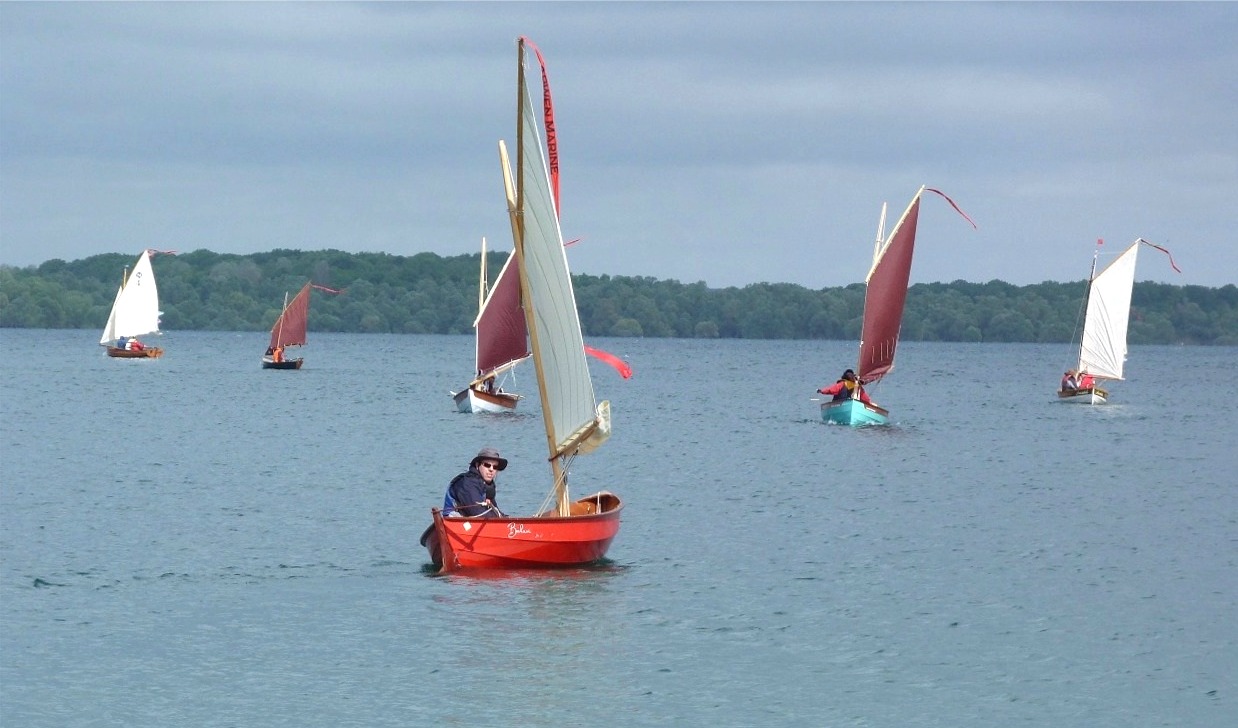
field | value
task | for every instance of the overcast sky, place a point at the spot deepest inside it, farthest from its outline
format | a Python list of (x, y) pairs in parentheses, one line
[(729, 143)]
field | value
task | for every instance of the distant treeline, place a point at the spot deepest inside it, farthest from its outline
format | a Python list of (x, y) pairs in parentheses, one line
[(427, 293)]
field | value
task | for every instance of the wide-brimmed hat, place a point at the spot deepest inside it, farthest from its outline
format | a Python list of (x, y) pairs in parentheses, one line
[(489, 453)]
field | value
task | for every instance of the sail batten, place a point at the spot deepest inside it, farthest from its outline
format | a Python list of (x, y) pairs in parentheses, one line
[(135, 310), (886, 295)]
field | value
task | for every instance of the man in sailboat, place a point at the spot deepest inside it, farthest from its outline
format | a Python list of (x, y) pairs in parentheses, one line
[(472, 493), (1069, 384), (846, 388)]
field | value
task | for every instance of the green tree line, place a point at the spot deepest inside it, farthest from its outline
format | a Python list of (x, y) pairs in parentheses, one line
[(427, 293)]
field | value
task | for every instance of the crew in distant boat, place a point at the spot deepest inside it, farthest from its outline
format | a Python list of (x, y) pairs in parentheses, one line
[(278, 354), (135, 345), (846, 388), (1086, 381), (1068, 381), (488, 385), (472, 493)]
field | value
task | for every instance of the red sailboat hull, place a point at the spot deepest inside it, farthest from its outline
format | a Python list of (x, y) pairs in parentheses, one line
[(534, 542)]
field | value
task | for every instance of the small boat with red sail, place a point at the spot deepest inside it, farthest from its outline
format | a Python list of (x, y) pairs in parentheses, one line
[(135, 312), (884, 300), (290, 329), (565, 531), (502, 341)]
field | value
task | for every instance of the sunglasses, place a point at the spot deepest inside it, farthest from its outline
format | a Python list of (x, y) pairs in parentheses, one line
[(492, 466)]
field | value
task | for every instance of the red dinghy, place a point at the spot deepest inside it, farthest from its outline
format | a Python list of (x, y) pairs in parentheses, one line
[(516, 543), (564, 532)]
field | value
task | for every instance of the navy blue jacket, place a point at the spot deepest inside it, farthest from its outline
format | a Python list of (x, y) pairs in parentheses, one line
[(466, 491)]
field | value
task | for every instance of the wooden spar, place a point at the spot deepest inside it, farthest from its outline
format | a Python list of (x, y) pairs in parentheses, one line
[(279, 335), (481, 286), (877, 246)]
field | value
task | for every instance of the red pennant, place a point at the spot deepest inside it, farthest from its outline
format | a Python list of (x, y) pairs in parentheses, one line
[(620, 365), (552, 143), (1172, 264), (956, 207)]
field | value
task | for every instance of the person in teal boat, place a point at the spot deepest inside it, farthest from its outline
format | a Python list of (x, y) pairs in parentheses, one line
[(846, 387), (472, 493)]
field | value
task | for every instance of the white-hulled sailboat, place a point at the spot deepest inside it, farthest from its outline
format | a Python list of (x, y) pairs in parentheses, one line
[(1102, 345), (566, 531), (135, 312), (502, 340)]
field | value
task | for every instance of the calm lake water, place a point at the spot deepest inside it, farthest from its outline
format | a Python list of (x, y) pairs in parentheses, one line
[(194, 541)]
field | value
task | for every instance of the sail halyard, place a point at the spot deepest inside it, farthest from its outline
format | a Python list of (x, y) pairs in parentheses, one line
[(886, 295), (1102, 347)]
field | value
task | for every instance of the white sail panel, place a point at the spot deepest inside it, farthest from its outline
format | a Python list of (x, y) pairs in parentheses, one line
[(1103, 350), (569, 390), (109, 330)]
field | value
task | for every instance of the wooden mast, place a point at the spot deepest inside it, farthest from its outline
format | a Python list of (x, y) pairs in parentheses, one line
[(279, 335)]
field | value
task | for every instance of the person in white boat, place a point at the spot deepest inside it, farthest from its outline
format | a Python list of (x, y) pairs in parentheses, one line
[(1068, 381), (472, 493), (846, 388), (1086, 381)]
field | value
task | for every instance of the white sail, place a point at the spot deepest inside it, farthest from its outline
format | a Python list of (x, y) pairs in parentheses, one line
[(1102, 352), (560, 346), (135, 312), (109, 330)]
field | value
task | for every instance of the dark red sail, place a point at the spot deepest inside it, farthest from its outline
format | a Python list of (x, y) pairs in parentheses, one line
[(289, 328), (502, 333), (886, 297)]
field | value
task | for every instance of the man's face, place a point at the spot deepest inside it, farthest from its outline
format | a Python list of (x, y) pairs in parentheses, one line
[(488, 469)]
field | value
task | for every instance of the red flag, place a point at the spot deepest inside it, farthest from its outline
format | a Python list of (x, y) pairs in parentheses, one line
[(1172, 264), (1100, 241), (620, 365), (552, 143), (956, 207)]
